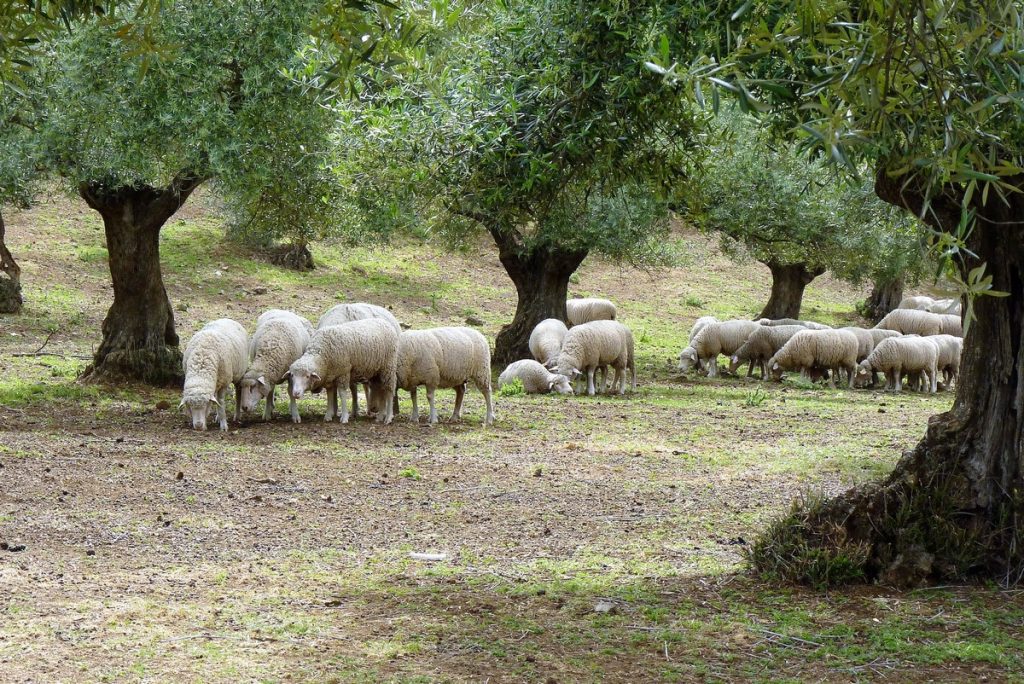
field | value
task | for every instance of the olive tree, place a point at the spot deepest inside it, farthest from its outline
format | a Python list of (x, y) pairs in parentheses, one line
[(926, 93)]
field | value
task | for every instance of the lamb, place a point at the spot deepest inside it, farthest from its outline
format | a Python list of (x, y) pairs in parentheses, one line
[(898, 355), (911, 322), (280, 338), (948, 362), (444, 358), (832, 349), (877, 335), (761, 345), (536, 378), (580, 311), (359, 311), (546, 341), (599, 343), (918, 303), (716, 338), (340, 355), (810, 325), (945, 306), (215, 357)]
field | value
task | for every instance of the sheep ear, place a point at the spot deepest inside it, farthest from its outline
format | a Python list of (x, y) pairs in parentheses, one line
[(317, 376), (735, 359), (262, 380), (214, 400), (775, 366), (551, 383), (181, 405), (287, 375)]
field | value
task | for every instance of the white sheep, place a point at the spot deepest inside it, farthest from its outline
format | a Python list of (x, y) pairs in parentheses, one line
[(724, 337), (911, 322), (832, 349), (444, 358), (340, 355), (951, 324), (215, 357), (536, 378), (810, 325), (761, 345), (699, 325), (546, 341), (877, 335), (358, 311), (895, 356), (580, 311), (945, 306), (948, 362), (599, 343), (916, 303), (280, 338)]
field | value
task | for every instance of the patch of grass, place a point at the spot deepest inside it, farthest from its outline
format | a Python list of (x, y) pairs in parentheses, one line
[(21, 393), (410, 473), (512, 389)]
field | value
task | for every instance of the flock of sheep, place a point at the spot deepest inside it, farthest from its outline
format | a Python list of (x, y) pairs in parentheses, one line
[(364, 343), (910, 341)]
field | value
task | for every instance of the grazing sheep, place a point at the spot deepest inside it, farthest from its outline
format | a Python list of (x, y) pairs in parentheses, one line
[(724, 337), (895, 356), (215, 357), (877, 335), (948, 362), (951, 324), (580, 311), (865, 341), (808, 349), (945, 306), (599, 343), (536, 378), (546, 341), (761, 345), (810, 325), (358, 311), (911, 322), (445, 358), (699, 325), (280, 338), (360, 351), (916, 303)]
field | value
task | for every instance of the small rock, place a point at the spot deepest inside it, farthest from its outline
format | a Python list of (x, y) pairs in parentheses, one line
[(183, 307), (475, 321), (538, 471), (328, 498), (13, 548), (606, 607), (90, 552), (163, 405), (180, 476), (434, 557), (259, 290), (881, 410)]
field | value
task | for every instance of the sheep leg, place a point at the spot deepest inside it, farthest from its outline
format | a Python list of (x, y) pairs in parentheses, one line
[(851, 372), (620, 380), (432, 418), (268, 406), (354, 388), (366, 391), (590, 381), (713, 367), (293, 407), (486, 391), (899, 379), (460, 393), (238, 402), (332, 402), (342, 400), (832, 376), (415, 409), (222, 410), (935, 379)]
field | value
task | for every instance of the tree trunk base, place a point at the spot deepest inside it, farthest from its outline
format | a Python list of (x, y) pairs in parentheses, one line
[(884, 297), (10, 296), (159, 367), (295, 257)]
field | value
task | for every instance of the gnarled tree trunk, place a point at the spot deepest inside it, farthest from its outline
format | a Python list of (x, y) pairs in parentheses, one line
[(541, 277), (10, 283), (788, 284), (954, 506), (885, 296), (139, 342)]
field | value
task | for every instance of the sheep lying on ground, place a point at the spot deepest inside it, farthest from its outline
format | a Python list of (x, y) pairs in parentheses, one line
[(340, 355), (810, 325), (715, 338), (215, 357), (808, 349), (546, 341), (598, 343), (280, 338), (761, 345), (916, 303), (898, 355), (911, 322), (445, 358), (358, 311), (536, 378), (948, 362), (580, 311)]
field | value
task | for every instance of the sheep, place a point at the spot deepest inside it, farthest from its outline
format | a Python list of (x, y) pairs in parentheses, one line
[(832, 349), (724, 337), (810, 325), (346, 313), (699, 325), (546, 341), (598, 343), (215, 357), (918, 303), (280, 338), (895, 356), (761, 345), (340, 355), (948, 361), (877, 335), (445, 358), (951, 324), (911, 322), (580, 311), (945, 306), (536, 378)]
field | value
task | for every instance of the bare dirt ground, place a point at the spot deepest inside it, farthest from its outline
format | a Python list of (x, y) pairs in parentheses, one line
[(584, 539)]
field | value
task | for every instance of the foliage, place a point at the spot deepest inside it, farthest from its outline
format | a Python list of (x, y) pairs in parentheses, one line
[(512, 389)]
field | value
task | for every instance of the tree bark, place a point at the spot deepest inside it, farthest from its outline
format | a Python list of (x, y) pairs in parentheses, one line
[(885, 296), (788, 284), (541, 277), (139, 342), (954, 506), (10, 286)]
